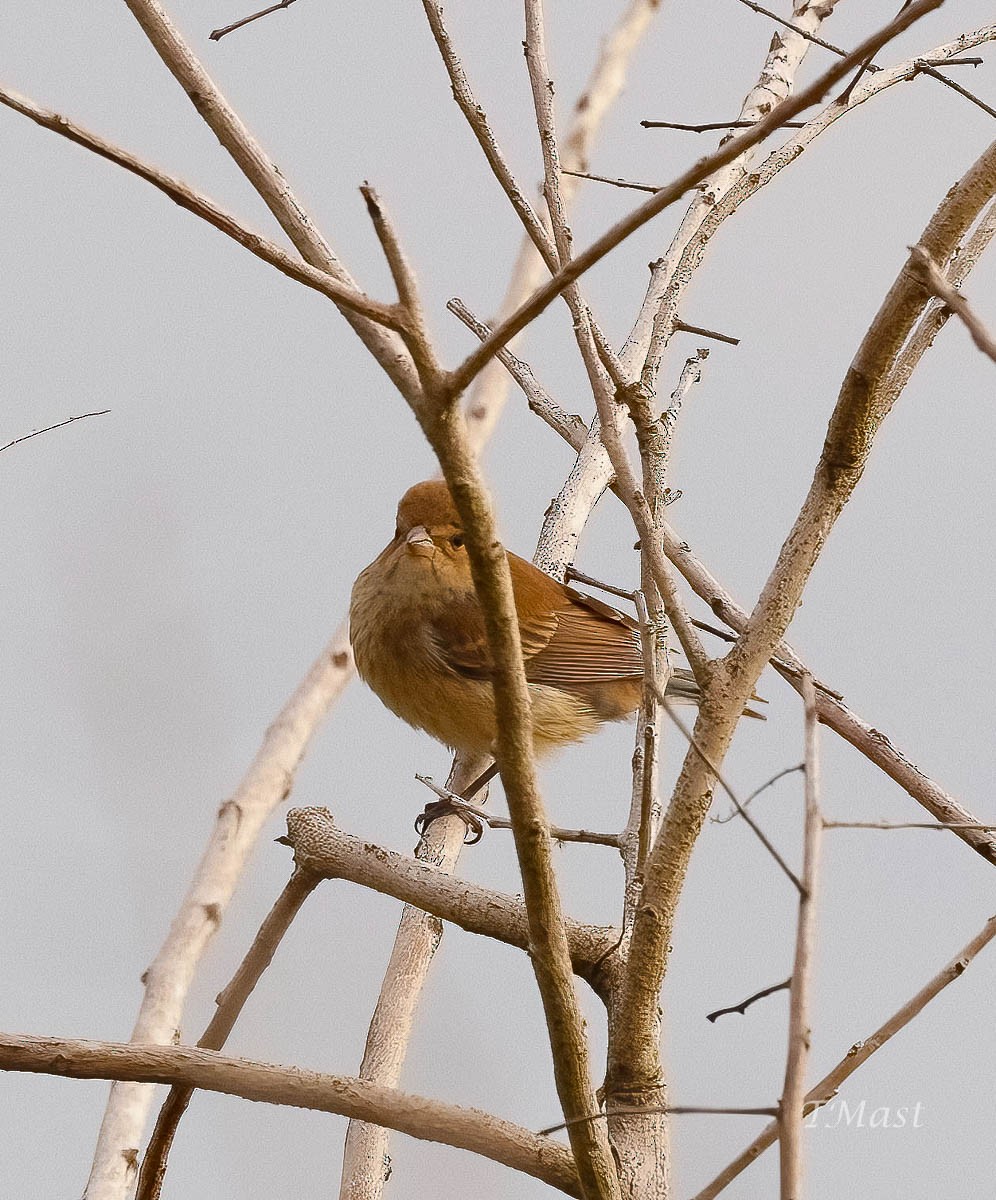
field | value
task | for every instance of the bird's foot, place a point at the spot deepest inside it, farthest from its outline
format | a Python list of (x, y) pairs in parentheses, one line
[(450, 804)]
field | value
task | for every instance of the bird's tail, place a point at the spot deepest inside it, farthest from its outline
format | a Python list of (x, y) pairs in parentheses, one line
[(682, 689)]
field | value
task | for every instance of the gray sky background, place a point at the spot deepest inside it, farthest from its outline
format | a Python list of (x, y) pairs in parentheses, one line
[(172, 568)]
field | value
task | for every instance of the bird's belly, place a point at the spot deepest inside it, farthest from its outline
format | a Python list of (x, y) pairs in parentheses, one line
[(457, 711)]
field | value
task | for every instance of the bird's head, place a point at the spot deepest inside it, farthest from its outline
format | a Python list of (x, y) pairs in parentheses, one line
[(429, 532)]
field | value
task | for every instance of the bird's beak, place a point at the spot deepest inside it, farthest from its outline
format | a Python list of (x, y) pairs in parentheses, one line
[(419, 542)]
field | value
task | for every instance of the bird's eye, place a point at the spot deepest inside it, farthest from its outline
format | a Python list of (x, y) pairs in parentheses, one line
[(456, 541)]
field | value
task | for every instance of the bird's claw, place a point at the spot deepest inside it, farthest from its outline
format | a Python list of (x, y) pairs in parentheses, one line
[(452, 806)]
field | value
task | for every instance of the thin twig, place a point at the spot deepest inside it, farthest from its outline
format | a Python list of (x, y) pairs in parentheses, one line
[(757, 791), (558, 834), (189, 198), (810, 37), (569, 425), (495, 821), (58, 425), (731, 150), (858, 1054), (800, 984), (711, 126), (931, 277), (720, 779), (231, 1001), (683, 327), (925, 68), (620, 183), (415, 332), (674, 1110), (217, 34), (745, 1004), (905, 825), (273, 188), (602, 88), (576, 576)]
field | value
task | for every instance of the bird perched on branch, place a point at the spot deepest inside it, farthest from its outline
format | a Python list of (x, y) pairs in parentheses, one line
[(418, 637)]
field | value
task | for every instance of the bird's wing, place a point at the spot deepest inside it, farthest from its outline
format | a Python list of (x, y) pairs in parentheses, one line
[(460, 641), (568, 639), (592, 643)]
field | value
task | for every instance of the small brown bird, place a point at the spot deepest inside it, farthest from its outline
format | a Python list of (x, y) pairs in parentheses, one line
[(418, 637)]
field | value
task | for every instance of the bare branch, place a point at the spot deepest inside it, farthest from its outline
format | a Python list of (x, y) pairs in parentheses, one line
[(800, 983), (261, 171), (416, 332), (230, 1004), (569, 425), (683, 327), (365, 1162), (266, 784), (325, 850), (677, 1110), (600, 92), (858, 1054), (927, 272), (856, 418), (343, 294), (549, 955), (418, 1116), (26, 437), (723, 193), (736, 146)]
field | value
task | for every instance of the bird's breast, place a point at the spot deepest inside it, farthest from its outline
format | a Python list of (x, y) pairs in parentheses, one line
[(397, 657)]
